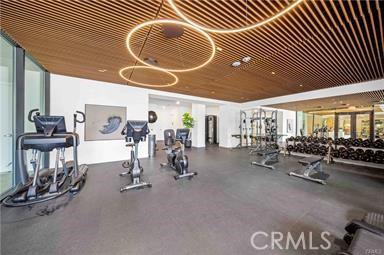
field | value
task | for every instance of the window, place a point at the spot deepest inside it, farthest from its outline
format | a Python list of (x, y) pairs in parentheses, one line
[(34, 91), (7, 95), (379, 121)]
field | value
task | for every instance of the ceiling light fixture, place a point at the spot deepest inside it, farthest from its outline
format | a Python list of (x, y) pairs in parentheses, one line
[(236, 64), (301, 85), (236, 30), (273, 73), (219, 49), (246, 59), (176, 22), (177, 102), (102, 70), (121, 73)]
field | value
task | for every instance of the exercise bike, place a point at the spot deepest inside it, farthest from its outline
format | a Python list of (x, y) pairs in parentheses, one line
[(134, 131), (174, 147), (47, 184)]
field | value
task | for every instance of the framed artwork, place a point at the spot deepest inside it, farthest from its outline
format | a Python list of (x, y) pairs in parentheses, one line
[(103, 122), (289, 125)]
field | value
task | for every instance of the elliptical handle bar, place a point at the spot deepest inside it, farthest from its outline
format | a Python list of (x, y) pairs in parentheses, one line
[(82, 114), (76, 120), (31, 112), (123, 132)]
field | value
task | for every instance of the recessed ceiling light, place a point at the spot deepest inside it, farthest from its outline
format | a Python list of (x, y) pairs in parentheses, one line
[(102, 70), (242, 97), (236, 64), (246, 59), (273, 73), (301, 85), (219, 49), (177, 102), (212, 92)]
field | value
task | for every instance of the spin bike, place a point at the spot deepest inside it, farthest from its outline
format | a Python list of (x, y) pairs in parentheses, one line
[(174, 147), (134, 132)]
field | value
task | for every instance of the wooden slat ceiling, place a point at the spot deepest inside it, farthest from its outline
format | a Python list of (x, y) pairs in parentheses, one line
[(319, 44), (353, 100)]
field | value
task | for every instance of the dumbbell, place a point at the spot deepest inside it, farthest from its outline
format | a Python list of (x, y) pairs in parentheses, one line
[(379, 143), (368, 155), (315, 150), (359, 153), (353, 154), (335, 153), (290, 148), (366, 143), (347, 142), (378, 157), (323, 150), (344, 154)]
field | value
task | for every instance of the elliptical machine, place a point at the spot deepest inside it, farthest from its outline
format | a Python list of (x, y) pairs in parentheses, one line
[(174, 147), (134, 131), (47, 184)]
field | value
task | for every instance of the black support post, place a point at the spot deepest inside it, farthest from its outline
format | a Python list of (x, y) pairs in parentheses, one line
[(20, 101)]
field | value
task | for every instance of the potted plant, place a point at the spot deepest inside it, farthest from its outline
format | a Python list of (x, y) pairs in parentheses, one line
[(188, 122)]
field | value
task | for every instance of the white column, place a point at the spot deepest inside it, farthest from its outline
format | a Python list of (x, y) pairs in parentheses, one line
[(198, 131), (229, 121)]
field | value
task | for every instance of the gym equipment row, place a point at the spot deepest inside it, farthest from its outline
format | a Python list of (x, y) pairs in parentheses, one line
[(136, 132), (47, 184), (347, 142), (345, 149)]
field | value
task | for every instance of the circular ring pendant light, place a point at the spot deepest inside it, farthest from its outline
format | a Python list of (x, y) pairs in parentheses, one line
[(235, 30), (121, 73), (176, 22)]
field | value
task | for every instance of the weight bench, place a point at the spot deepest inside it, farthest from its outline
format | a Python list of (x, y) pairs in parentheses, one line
[(270, 156), (312, 170), (365, 236)]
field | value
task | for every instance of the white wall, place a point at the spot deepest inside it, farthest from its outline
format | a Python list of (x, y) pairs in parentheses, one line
[(168, 117), (213, 110), (229, 121), (69, 94), (198, 131)]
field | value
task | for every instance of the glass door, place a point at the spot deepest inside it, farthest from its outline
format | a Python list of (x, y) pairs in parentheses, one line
[(363, 125), (7, 88), (344, 126)]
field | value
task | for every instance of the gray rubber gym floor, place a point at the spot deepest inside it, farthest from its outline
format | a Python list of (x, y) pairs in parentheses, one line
[(215, 213)]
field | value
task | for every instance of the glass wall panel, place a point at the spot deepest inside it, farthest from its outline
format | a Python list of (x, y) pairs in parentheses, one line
[(34, 90), (344, 126), (7, 99), (379, 121), (34, 95), (362, 126)]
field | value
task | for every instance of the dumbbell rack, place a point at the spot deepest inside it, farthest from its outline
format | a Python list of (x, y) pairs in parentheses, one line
[(327, 155), (330, 158), (355, 162)]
